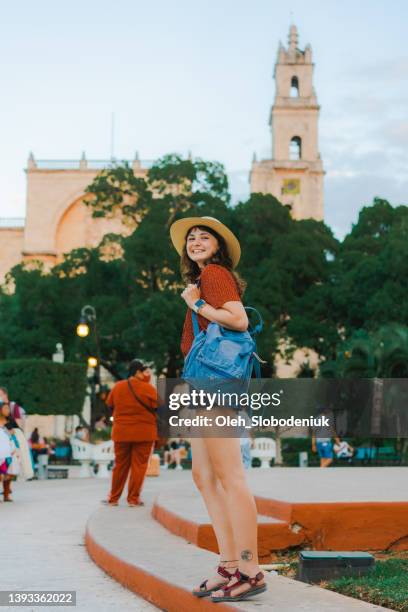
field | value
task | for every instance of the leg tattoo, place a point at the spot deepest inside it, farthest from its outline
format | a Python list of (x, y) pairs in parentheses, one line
[(246, 555)]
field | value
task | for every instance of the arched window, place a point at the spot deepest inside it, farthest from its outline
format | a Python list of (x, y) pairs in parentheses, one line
[(294, 87), (295, 148)]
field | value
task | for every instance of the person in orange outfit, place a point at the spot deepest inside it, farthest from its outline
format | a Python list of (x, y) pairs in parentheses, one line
[(134, 405)]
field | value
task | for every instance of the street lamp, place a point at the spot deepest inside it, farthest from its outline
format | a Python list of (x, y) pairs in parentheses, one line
[(87, 322), (82, 329)]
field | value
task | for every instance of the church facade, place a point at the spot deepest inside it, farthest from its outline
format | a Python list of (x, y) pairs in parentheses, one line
[(57, 220), (294, 174)]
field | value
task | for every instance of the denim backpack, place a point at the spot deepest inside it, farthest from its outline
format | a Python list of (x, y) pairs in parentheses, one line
[(220, 353)]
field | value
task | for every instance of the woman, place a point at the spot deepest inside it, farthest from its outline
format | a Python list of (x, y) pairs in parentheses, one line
[(209, 253), (134, 405), (7, 450), (25, 459)]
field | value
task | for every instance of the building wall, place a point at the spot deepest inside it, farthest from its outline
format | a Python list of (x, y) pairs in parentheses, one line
[(268, 176), (77, 228), (290, 122), (293, 114), (57, 219), (11, 247)]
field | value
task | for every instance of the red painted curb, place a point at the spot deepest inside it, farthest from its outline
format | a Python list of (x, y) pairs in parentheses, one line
[(154, 589), (344, 525), (271, 536)]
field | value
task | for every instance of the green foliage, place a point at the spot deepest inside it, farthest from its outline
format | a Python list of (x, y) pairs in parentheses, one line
[(136, 296), (118, 190), (386, 585), (382, 354), (44, 387), (365, 284), (282, 258), (311, 290)]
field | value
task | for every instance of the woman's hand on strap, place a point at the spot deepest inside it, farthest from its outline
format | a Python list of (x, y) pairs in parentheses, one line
[(231, 315), (191, 294)]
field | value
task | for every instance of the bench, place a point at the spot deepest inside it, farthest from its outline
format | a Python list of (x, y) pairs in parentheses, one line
[(264, 449), (377, 455), (388, 454)]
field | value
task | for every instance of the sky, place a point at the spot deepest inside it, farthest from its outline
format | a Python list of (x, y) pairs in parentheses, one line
[(186, 76)]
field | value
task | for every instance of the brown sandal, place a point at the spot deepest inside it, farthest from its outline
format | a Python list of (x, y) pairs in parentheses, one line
[(204, 592), (254, 587)]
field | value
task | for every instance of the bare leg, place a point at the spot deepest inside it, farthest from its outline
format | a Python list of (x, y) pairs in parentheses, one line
[(225, 457), (177, 457), (325, 462), (166, 458), (216, 503)]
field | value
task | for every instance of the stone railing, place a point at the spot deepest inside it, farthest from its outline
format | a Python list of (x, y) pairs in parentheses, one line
[(10, 222), (85, 164)]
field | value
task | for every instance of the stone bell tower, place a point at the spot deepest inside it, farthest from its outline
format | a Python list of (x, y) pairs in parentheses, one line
[(295, 173)]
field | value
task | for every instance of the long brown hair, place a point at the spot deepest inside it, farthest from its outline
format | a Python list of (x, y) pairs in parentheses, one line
[(190, 270)]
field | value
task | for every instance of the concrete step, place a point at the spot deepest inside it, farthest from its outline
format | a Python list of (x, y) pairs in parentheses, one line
[(342, 525), (144, 557), (182, 512)]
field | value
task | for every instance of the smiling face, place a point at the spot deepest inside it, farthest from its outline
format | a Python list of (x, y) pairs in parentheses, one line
[(201, 246)]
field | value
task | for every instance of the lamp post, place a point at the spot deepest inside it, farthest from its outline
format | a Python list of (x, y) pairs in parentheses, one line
[(86, 324)]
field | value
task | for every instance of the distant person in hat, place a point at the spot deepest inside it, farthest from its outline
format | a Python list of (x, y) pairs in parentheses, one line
[(209, 253), (134, 403)]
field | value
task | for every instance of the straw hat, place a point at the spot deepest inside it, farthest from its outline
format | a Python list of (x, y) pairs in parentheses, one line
[(179, 229)]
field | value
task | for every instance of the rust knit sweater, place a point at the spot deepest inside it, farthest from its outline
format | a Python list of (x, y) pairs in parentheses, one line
[(217, 286)]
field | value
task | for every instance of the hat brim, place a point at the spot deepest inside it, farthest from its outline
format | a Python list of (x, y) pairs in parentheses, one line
[(179, 229)]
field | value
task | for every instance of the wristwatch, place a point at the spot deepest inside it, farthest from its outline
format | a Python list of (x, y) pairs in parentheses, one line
[(198, 304)]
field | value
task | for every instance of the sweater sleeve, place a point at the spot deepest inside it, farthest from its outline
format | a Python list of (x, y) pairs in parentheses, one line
[(218, 286)]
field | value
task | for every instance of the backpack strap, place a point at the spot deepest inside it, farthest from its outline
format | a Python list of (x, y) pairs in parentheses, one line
[(257, 368), (196, 327), (258, 327)]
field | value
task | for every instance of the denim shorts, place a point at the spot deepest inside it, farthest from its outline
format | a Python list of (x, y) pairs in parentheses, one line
[(325, 450)]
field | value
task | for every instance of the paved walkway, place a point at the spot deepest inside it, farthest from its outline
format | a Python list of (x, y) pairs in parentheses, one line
[(42, 537), (45, 528), (143, 554)]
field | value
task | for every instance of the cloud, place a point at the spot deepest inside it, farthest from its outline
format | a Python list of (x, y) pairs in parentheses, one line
[(394, 133), (363, 135)]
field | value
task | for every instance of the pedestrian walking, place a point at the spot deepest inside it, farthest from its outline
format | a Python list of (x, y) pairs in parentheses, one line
[(16, 420), (7, 450), (209, 253), (134, 405)]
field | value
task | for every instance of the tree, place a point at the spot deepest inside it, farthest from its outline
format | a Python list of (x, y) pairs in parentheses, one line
[(173, 187), (379, 354), (135, 292), (311, 290), (282, 258), (365, 283)]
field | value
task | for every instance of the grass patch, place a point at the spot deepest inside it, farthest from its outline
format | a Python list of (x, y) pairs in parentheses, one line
[(386, 585)]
